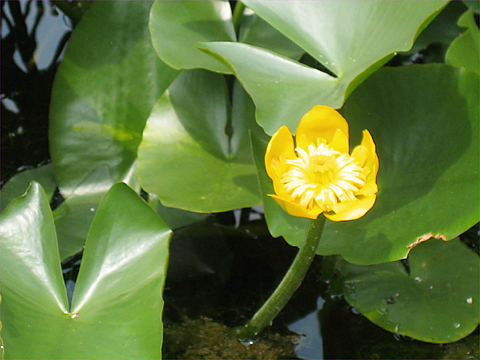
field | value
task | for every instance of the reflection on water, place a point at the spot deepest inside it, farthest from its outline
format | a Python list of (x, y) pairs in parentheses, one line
[(310, 345), (44, 27), (34, 35)]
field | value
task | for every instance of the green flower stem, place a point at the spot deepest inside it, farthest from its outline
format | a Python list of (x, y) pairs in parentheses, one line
[(237, 15), (290, 283)]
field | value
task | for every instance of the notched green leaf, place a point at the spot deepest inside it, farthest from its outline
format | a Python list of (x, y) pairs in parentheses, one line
[(411, 115), (117, 303), (177, 27), (435, 301), (464, 50), (187, 159), (350, 39)]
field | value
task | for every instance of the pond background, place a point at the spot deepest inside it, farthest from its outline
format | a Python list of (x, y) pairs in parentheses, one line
[(199, 286)]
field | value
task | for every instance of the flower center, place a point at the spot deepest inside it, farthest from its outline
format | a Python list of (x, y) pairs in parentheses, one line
[(322, 176)]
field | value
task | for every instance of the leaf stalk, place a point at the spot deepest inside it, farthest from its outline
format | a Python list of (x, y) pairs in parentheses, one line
[(287, 287)]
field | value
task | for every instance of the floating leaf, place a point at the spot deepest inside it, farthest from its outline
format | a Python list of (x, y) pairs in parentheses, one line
[(177, 26), (464, 50), (103, 93), (436, 302), (117, 304), (351, 40), (424, 121), (195, 154)]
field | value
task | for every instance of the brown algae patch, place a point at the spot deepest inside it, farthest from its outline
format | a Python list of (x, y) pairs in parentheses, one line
[(205, 339)]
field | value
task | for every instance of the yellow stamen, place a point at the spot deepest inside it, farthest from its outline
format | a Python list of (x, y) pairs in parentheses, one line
[(323, 176)]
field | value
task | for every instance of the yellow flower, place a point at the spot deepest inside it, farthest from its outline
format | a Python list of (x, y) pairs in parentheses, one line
[(319, 175)]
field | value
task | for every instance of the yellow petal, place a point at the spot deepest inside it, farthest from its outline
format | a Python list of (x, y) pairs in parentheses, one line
[(340, 142), (279, 148), (369, 189), (296, 209), (351, 210), (279, 188), (372, 158), (320, 122), (360, 154)]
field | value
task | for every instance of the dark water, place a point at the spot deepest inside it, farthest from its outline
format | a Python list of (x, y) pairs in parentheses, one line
[(33, 38)]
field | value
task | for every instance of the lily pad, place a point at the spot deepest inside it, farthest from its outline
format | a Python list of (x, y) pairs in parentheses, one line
[(351, 40), (424, 122), (104, 90), (435, 301), (117, 304), (195, 154), (464, 50), (19, 183), (176, 27)]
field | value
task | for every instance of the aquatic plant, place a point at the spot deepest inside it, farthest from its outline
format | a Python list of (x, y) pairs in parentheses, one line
[(192, 105)]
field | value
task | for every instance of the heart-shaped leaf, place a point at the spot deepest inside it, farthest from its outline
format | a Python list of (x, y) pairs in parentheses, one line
[(177, 26), (195, 154), (436, 302), (464, 50), (424, 122), (117, 304), (104, 90), (351, 40)]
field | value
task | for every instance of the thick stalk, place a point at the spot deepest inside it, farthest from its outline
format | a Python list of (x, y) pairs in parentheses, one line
[(287, 287)]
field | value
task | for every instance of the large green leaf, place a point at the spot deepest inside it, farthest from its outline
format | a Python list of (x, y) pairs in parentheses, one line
[(18, 184), (436, 301), (442, 30), (177, 26), (424, 121), (256, 31), (351, 39), (117, 304), (464, 50), (173, 217), (104, 90), (195, 153), (123, 272), (74, 216), (33, 292)]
